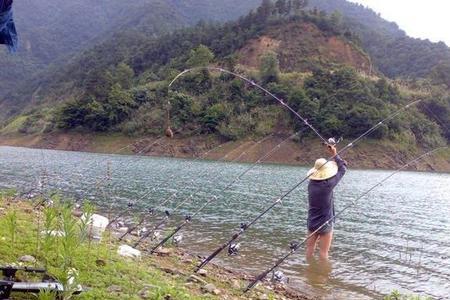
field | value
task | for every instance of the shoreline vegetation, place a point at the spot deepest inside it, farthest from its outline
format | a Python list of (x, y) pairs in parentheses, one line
[(368, 154), (26, 231)]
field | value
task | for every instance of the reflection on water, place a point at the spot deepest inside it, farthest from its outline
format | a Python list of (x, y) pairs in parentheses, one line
[(398, 237)]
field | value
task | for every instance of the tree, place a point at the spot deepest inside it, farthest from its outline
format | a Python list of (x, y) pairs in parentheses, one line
[(124, 75), (265, 10), (200, 57), (299, 4), (281, 7), (270, 67)]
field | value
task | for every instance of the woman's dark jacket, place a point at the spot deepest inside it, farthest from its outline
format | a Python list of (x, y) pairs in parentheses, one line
[(320, 196)]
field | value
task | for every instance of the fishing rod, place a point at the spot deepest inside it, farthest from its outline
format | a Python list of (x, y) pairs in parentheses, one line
[(245, 226), (203, 156), (213, 198), (253, 83), (294, 246), (167, 214)]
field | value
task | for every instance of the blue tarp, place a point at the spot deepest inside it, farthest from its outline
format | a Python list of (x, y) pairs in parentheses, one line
[(8, 33)]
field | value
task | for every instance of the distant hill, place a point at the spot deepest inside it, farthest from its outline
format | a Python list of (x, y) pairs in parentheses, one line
[(52, 30), (317, 61), (393, 52)]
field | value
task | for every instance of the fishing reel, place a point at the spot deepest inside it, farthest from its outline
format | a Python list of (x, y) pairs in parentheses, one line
[(278, 277), (188, 218), (151, 211), (233, 249), (294, 245), (176, 240), (167, 213), (332, 141), (243, 226), (130, 204)]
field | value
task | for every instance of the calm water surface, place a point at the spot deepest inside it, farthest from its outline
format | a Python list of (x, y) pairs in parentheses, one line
[(398, 237)]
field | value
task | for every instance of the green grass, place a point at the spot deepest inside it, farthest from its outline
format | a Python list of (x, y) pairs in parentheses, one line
[(19, 231), (14, 125)]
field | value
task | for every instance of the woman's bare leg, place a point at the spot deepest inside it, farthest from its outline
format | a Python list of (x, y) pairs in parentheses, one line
[(311, 245), (325, 244)]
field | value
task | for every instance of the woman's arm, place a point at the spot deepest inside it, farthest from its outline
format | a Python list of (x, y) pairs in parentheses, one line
[(342, 166)]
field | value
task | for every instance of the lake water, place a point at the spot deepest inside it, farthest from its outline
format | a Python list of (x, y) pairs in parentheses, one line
[(398, 237)]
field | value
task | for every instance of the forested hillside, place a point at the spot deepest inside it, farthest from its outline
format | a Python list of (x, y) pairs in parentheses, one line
[(121, 84), (393, 52), (51, 31)]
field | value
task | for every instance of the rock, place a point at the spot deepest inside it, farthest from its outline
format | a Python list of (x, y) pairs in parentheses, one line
[(235, 284), (164, 252), (100, 263), (211, 288), (195, 278), (202, 272), (263, 297), (127, 251), (122, 230), (114, 289), (27, 259), (146, 291)]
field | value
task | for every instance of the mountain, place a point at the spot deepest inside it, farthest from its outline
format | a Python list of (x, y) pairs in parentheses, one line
[(393, 52), (51, 31), (316, 62)]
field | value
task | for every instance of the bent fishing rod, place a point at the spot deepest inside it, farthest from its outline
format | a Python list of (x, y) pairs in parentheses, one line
[(258, 86), (295, 246), (188, 219), (167, 214), (245, 226)]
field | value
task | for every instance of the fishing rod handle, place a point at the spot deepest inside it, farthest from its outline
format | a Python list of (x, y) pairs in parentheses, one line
[(153, 250), (217, 252)]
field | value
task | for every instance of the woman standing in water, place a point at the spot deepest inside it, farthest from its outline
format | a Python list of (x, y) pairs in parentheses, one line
[(323, 179)]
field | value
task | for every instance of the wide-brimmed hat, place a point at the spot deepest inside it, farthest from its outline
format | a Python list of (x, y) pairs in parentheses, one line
[(323, 170)]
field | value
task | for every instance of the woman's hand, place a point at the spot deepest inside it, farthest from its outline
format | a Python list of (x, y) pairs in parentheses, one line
[(332, 149)]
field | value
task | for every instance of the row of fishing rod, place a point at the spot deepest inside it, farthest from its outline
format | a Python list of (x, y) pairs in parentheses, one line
[(232, 245)]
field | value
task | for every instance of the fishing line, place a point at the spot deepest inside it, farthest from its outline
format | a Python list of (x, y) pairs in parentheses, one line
[(167, 214), (192, 162), (245, 226), (304, 120), (295, 246), (213, 198)]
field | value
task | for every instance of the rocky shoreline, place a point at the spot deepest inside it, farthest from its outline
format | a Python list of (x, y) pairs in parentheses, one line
[(173, 267)]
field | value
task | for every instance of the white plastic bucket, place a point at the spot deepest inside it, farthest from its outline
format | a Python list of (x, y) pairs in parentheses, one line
[(96, 226)]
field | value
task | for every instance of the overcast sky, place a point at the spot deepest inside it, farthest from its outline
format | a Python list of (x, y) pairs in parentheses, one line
[(429, 19)]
